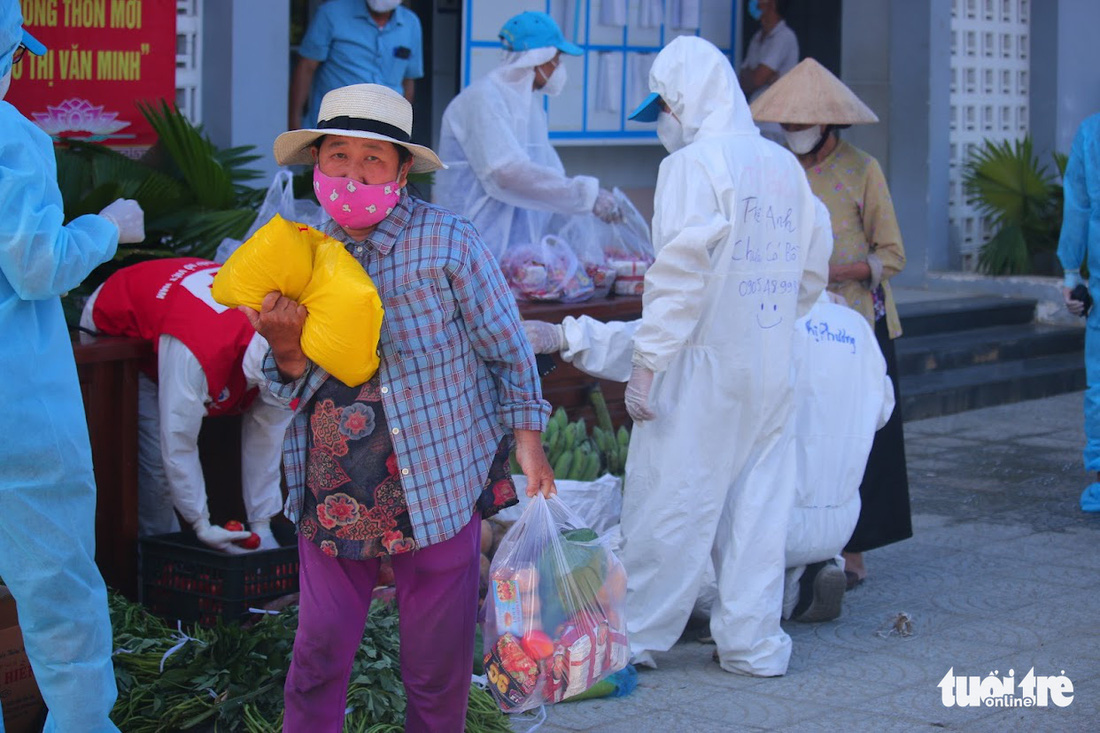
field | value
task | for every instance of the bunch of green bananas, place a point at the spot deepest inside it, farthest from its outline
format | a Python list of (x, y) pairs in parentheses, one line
[(577, 456), (612, 447)]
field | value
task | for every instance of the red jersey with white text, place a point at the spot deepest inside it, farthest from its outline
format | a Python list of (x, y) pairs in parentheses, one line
[(172, 297)]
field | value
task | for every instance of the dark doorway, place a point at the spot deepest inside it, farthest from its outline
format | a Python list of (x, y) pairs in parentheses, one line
[(815, 22)]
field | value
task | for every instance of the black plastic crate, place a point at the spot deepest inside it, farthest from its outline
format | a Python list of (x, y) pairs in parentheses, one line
[(183, 579)]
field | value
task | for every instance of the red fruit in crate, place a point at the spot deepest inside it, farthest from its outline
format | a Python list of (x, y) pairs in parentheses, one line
[(234, 526), (251, 543), (537, 644), (385, 573)]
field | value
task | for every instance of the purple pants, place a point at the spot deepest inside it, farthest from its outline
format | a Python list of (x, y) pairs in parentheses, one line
[(437, 589)]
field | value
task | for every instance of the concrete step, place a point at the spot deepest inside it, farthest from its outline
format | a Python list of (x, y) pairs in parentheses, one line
[(955, 349), (947, 391), (921, 318)]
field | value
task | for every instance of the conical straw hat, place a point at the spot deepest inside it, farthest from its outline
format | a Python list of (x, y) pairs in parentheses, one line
[(809, 94)]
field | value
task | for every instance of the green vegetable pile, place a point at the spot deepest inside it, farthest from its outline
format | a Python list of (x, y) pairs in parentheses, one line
[(230, 678)]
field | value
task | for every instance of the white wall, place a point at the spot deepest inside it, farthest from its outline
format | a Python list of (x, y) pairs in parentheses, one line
[(246, 74), (865, 68)]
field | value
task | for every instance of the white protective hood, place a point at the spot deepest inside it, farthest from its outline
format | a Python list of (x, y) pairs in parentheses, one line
[(503, 174), (700, 87)]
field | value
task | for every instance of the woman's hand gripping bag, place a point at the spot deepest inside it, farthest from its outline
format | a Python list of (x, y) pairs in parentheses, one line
[(554, 622), (344, 318)]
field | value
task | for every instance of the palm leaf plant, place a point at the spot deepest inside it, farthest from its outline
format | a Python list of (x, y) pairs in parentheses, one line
[(194, 195), (1008, 184)]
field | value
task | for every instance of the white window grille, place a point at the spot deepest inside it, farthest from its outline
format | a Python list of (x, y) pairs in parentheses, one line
[(189, 59), (989, 100)]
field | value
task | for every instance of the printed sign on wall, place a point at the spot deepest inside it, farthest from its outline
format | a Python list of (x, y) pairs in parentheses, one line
[(104, 57)]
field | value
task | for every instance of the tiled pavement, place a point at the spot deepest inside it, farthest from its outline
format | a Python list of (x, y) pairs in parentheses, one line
[(1003, 572)]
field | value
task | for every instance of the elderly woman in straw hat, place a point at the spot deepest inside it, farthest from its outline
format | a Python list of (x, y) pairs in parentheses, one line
[(406, 465), (812, 105)]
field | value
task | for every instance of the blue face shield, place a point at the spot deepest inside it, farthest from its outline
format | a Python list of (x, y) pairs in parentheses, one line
[(754, 10)]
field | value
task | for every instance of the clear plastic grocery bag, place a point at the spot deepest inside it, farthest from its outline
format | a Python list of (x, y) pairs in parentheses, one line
[(586, 236), (278, 200), (546, 270), (628, 248), (554, 622)]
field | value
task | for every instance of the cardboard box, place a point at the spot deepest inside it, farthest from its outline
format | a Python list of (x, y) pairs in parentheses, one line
[(19, 697)]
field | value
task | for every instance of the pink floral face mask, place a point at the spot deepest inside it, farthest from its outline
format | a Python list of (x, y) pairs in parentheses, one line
[(353, 204)]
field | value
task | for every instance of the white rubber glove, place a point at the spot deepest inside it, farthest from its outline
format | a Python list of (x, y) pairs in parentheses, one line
[(545, 338), (637, 394), (219, 538), (262, 527), (126, 214), (606, 208)]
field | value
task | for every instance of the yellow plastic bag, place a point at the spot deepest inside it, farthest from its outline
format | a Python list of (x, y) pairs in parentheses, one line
[(278, 257), (345, 315), (342, 327)]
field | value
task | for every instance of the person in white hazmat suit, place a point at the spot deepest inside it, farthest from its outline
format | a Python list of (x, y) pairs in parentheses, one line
[(842, 395), (47, 488), (742, 253), (502, 172), (208, 363)]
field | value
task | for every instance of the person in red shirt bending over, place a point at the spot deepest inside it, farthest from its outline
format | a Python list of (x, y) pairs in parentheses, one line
[(207, 363)]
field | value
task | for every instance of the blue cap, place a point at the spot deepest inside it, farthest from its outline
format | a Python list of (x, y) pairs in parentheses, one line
[(648, 110), (33, 44), (535, 30)]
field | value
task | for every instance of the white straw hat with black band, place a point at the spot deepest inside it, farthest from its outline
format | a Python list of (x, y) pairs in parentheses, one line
[(809, 94), (369, 111)]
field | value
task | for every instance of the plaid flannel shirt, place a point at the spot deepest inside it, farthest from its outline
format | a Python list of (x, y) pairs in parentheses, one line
[(456, 368)]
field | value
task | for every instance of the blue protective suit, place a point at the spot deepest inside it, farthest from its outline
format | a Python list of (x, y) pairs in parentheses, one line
[(47, 490), (1080, 243)]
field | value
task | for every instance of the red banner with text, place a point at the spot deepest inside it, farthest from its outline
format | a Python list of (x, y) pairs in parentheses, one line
[(104, 57)]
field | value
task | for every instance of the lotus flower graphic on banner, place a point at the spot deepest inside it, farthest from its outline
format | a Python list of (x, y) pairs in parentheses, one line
[(78, 117)]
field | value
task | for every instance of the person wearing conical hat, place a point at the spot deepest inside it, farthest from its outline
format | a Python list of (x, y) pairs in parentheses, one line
[(811, 104)]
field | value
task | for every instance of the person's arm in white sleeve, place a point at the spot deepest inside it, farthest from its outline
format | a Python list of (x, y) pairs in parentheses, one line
[(504, 167), (888, 402), (603, 350), (181, 396), (686, 225), (815, 273), (263, 426)]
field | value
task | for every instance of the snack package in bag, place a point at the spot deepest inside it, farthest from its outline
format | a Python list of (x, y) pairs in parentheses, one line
[(629, 248), (554, 623), (344, 323), (586, 236), (547, 270)]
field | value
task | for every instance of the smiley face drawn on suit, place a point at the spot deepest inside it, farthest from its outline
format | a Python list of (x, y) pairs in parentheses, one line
[(768, 317)]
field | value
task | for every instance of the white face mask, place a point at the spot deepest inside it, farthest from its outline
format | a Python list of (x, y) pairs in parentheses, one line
[(5, 82), (383, 6), (556, 82), (801, 142), (670, 132)]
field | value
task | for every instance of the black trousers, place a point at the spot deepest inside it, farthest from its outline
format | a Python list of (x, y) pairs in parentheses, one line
[(884, 516)]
